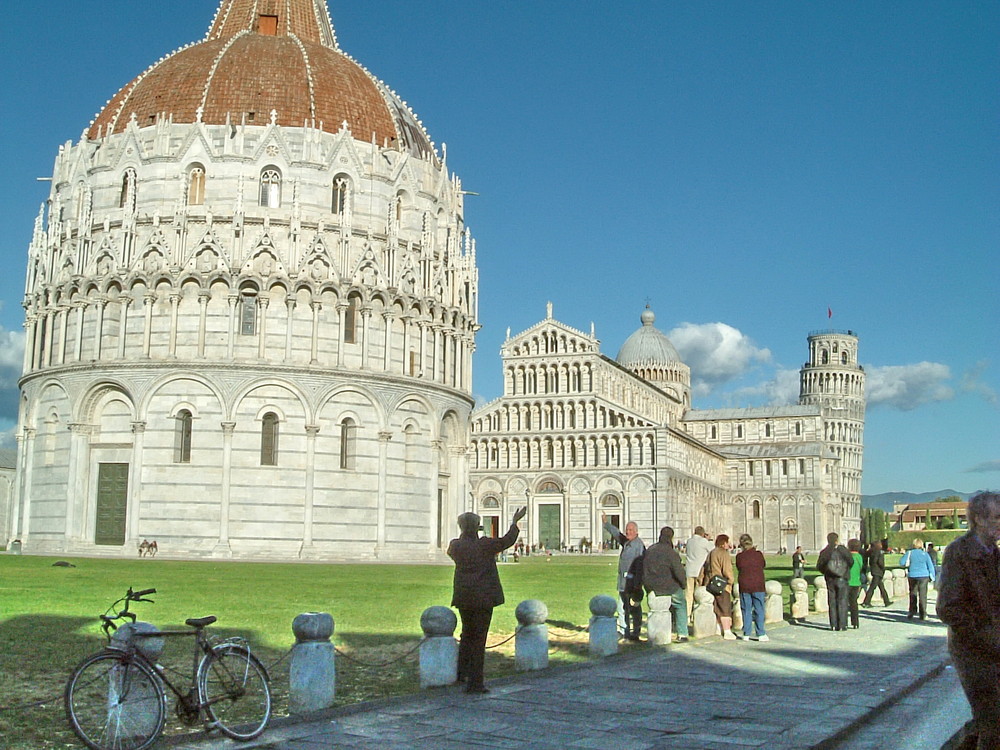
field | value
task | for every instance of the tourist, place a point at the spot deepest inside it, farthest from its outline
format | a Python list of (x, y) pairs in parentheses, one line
[(932, 553), (876, 571), (750, 563), (969, 602), (854, 581), (664, 575), (696, 551), (798, 563), (919, 572), (720, 563), (835, 563), (632, 546), (476, 592)]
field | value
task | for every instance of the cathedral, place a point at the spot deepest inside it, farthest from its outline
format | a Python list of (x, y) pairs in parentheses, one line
[(577, 435), (251, 303)]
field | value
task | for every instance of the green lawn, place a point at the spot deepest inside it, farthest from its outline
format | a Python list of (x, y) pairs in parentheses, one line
[(48, 619)]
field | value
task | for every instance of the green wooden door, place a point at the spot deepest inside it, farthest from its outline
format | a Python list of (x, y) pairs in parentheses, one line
[(549, 526), (112, 498)]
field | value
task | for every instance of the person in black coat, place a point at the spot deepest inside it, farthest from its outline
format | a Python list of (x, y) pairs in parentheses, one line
[(476, 591), (876, 572), (664, 575), (835, 563)]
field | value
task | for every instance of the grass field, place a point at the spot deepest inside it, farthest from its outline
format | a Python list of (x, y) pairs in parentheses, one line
[(48, 620)]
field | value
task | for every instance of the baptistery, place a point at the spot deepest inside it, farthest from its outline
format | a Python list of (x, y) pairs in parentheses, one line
[(251, 305)]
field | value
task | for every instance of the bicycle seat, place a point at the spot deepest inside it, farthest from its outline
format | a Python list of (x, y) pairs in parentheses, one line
[(200, 622)]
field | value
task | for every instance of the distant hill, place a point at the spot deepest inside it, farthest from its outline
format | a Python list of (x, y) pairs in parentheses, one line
[(886, 500)]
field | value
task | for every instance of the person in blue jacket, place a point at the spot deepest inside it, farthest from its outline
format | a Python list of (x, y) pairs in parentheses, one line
[(919, 572)]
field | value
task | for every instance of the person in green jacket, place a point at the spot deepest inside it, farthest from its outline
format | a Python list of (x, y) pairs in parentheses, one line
[(854, 581)]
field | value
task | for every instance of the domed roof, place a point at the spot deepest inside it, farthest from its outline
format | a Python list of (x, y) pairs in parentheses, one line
[(264, 55), (647, 347)]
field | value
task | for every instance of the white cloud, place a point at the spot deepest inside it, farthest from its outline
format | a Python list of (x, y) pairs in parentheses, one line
[(971, 383), (905, 387), (781, 390), (11, 361), (716, 353)]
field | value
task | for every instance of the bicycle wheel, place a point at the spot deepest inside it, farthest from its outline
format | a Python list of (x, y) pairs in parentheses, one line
[(235, 692), (115, 702)]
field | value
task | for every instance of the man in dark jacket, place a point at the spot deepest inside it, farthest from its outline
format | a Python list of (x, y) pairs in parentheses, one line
[(876, 569), (664, 575), (835, 563), (476, 592)]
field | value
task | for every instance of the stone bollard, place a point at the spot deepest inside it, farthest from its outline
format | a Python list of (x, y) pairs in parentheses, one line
[(737, 609), (820, 602), (603, 626), (773, 604), (705, 623), (531, 644), (659, 625), (439, 650), (137, 708), (900, 586), (800, 599), (312, 671)]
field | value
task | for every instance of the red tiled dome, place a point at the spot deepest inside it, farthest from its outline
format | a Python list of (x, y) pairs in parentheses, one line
[(260, 56)]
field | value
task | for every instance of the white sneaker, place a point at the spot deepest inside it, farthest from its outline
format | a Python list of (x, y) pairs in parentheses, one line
[(763, 639), (729, 635)]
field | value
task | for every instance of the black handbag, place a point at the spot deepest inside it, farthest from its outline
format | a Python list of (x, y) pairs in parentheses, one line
[(717, 585)]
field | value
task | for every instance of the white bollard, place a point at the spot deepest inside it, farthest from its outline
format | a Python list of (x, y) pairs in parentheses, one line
[(439, 650), (659, 625), (737, 609), (603, 626), (900, 586), (773, 605), (820, 601), (705, 623), (312, 671), (134, 703), (531, 644), (800, 599)]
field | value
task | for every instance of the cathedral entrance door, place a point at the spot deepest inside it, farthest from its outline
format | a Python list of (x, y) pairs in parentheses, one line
[(112, 500), (549, 526)]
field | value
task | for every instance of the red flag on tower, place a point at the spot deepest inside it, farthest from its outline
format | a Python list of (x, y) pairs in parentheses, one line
[(829, 313)]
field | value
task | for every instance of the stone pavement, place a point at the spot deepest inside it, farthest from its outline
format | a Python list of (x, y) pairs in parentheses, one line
[(807, 688)]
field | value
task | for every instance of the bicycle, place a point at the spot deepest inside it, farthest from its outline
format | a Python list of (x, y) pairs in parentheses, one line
[(116, 699)]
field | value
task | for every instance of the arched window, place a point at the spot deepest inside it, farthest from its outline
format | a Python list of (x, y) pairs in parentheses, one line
[(843, 358), (182, 437), (398, 209), (127, 197), (767, 429), (825, 357), (196, 185), (348, 443), (269, 440), (341, 192), (756, 508), (248, 312), (409, 449), (270, 187), (351, 321)]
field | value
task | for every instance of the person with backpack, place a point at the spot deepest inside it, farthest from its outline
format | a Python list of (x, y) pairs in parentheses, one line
[(835, 563), (664, 575), (632, 547)]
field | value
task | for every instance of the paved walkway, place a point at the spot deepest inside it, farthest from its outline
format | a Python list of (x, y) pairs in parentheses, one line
[(807, 688)]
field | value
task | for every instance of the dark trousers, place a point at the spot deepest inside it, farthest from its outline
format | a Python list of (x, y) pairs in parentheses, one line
[(918, 597), (633, 616), (836, 598), (853, 592), (876, 582), (472, 646)]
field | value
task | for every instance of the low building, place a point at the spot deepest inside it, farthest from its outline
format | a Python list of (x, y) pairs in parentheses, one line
[(921, 516)]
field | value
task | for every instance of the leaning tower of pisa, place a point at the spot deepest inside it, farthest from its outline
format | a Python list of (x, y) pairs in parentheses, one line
[(833, 380)]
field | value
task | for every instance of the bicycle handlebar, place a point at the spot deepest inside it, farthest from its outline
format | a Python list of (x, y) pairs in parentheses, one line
[(130, 596)]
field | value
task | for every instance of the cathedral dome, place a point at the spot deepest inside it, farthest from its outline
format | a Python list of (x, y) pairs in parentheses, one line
[(264, 55), (647, 347)]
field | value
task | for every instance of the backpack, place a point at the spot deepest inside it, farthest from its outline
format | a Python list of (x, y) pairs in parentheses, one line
[(837, 565), (633, 580)]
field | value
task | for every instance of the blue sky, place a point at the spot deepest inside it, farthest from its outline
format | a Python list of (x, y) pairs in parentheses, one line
[(742, 167)]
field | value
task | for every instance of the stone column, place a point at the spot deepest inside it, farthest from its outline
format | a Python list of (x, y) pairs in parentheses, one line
[(63, 328), (148, 300), (341, 337), (820, 601), (175, 301), (80, 308), (531, 644), (124, 302), (316, 307), (312, 671), (79, 455), (222, 547), (366, 317), (704, 622), (439, 650), (312, 430), (203, 299), (384, 436), (262, 302), (387, 320), (436, 374), (800, 599), (446, 357), (135, 483), (28, 446), (603, 626), (99, 327), (233, 299), (773, 604), (50, 337), (29, 342), (407, 321), (289, 325)]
